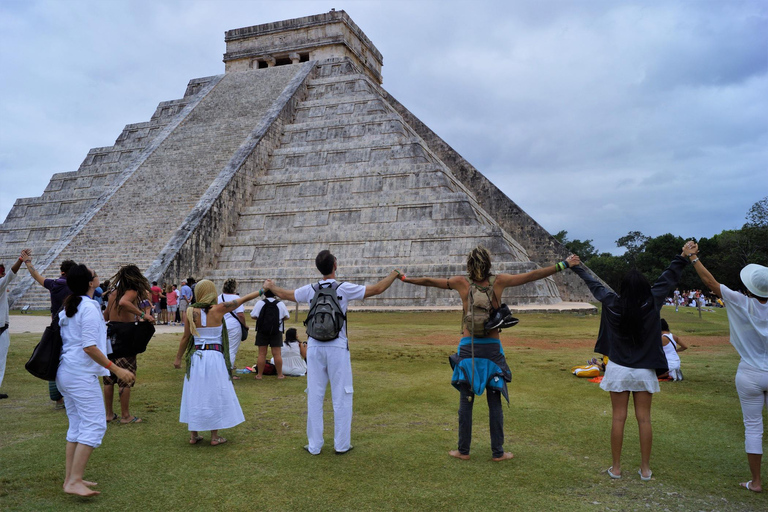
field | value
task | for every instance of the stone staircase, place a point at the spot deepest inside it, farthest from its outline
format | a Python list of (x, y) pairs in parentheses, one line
[(142, 205), (351, 176)]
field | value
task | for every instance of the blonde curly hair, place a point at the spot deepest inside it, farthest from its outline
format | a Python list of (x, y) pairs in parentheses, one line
[(479, 264)]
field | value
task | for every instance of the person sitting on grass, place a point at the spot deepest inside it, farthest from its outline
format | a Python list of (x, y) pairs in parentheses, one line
[(672, 345), (748, 323), (208, 398), (630, 334), (485, 347), (294, 355)]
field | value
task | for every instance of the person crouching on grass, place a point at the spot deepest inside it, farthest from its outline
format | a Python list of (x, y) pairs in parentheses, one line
[(83, 361), (486, 347)]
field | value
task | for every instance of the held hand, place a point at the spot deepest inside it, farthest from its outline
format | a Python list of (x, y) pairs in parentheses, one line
[(268, 284), (147, 318), (25, 255), (690, 248), (573, 260), (126, 376)]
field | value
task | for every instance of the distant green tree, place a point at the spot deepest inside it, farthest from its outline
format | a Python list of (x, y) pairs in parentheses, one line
[(634, 243), (583, 249), (609, 268), (757, 216)]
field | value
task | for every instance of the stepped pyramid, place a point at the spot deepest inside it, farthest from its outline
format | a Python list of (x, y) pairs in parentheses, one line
[(296, 148)]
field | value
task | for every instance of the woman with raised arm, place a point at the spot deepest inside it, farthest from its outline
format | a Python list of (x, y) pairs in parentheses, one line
[(83, 360), (208, 399), (748, 323), (479, 363), (630, 335)]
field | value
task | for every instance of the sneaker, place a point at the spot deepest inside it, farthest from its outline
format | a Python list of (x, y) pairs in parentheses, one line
[(509, 321), (3, 395), (497, 317)]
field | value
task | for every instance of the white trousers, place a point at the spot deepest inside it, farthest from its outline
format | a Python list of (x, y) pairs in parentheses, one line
[(234, 343), (752, 385), (326, 364), (85, 407), (5, 342)]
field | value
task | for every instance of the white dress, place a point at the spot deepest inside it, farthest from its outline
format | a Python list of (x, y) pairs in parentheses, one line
[(208, 400), (293, 364), (673, 359)]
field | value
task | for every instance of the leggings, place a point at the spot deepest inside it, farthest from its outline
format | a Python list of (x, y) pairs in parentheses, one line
[(495, 419), (752, 385)]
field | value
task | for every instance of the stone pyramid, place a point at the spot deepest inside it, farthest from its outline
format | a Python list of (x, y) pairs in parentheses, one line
[(296, 148)]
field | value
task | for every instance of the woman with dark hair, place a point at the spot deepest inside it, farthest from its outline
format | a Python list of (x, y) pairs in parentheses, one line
[(630, 335), (294, 354), (128, 304), (233, 319), (672, 344), (479, 364), (748, 323), (84, 338), (208, 398)]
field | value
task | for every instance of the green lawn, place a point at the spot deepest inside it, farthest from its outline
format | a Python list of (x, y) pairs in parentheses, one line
[(404, 424)]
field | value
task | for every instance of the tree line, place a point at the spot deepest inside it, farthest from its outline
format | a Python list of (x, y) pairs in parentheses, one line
[(725, 254)]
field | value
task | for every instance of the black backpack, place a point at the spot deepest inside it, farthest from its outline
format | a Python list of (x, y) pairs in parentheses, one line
[(268, 322), (325, 318)]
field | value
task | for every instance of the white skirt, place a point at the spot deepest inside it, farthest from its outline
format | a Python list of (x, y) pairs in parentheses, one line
[(208, 400), (619, 378)]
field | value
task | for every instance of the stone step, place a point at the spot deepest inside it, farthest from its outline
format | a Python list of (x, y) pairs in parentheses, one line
[(340, 122)]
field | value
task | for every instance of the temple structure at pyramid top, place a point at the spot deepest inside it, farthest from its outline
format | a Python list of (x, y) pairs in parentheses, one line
[(294, 149)]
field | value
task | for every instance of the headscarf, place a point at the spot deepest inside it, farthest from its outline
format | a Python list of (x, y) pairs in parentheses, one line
[(205, 293)]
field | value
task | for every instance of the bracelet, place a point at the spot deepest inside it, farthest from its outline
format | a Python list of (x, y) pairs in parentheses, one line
[(561, 265), (107, 367), (142, 315), (261, 292), (694, 261)]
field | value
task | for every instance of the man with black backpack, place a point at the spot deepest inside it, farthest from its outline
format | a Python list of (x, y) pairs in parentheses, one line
[(270, 315), (328, 357)]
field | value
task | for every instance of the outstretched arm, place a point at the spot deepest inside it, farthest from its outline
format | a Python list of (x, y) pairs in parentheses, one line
[(280, 292), (232, 305), (34, 273), (381, 286), (706, 277), (507, 280), (17, 264)]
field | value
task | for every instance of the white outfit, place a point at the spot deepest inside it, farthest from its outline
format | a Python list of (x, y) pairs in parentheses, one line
[(293, 363), (281, 308), (233, 326), (78, 374), (620, 378), (748, 322), (5, 338), (330, 361), (673, 359), (208, 399)]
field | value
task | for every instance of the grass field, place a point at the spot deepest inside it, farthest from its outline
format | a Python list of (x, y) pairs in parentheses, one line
[(404, 423)]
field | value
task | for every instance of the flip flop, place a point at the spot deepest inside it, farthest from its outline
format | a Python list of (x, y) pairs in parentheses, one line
[(644, 478), (747, 487), (610, 473), (114, 417), (135, 419)]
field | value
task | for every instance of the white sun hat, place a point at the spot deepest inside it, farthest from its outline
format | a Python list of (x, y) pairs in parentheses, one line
[(755, 278)]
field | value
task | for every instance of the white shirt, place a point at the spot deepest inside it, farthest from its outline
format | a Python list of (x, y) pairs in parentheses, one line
[(282, 311), (231, 318), (85, 329), (4, 282), (748, 320), (346, 292), (670, 351)]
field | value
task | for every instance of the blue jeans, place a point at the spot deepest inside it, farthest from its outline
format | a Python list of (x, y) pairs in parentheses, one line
[(495, 418)]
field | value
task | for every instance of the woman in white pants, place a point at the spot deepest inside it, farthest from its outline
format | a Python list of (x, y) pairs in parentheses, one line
[(233, 319), (82, 362), (748, 322)]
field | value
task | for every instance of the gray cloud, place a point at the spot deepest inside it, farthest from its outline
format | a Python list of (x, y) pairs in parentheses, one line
[(597, 117)]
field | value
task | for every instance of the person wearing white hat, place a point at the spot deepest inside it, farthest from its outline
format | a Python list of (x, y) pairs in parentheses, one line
[(748, 322)]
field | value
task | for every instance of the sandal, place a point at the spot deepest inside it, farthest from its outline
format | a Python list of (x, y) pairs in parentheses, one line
[(195, 440), (217, 441)]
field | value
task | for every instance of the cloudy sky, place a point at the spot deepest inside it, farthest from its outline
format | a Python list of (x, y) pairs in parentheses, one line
[(596, 117)]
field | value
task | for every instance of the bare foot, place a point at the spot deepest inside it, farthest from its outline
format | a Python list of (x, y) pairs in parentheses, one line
[(281, 376), (505, 456), (90, 484), (458, 455), (80, 489), (258, 377)]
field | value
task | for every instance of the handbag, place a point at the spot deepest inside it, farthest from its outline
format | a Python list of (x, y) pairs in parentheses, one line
[(44, 362), (243, 328), (129, 338)]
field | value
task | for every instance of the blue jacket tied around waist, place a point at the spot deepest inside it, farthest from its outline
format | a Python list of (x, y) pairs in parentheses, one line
[(491, 370)]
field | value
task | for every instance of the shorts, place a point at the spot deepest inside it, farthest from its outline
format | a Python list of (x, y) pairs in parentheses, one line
[(619, 378), (173, 308), (269, 340), (128, 363)]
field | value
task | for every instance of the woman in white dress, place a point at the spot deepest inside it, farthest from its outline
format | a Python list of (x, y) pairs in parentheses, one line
[(233, 319), (208, 399), (294, 355), (672, 344), (82, 362)]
